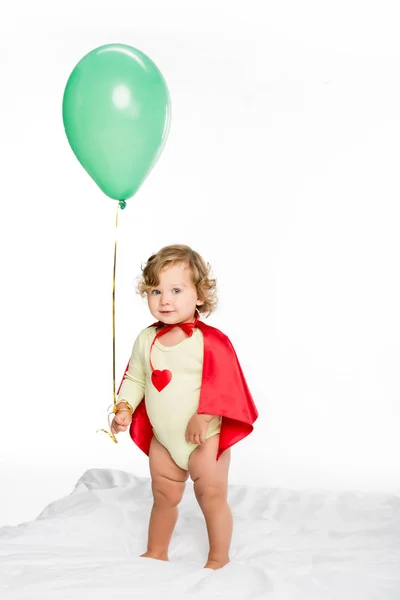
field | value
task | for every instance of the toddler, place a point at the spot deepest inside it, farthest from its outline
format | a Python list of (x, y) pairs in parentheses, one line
[(185, 400)]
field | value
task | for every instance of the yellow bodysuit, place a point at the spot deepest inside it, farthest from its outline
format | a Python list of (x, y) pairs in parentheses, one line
[(169, 410)]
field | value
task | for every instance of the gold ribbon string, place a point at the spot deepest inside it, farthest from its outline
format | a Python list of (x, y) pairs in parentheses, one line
[(121, 204), (113, 305)]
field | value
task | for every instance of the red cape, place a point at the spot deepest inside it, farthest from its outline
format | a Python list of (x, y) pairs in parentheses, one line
[(223, 392)]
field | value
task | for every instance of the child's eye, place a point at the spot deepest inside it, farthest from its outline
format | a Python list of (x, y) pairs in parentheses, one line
[(176, 290), (155, 292)]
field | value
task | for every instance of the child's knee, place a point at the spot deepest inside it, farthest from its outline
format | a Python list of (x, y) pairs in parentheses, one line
[(166, 492), (209, 492)]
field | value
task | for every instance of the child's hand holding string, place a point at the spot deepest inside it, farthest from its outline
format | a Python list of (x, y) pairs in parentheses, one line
[(122, 419)]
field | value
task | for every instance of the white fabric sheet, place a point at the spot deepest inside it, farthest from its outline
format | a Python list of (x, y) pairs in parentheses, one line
[(287, 545)]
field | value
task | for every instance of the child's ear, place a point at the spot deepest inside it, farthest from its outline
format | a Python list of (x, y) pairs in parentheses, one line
[(199, 302)]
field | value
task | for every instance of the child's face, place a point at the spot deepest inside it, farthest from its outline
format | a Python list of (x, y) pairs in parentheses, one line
[(175, 299)]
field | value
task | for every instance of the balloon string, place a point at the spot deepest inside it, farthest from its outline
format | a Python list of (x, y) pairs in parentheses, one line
[(121, 205), (113, 305)]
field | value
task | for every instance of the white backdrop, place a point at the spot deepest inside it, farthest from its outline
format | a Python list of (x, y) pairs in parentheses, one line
[(281, 168)]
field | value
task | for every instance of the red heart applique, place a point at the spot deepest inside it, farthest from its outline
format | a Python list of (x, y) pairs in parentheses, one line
[(161, 379)]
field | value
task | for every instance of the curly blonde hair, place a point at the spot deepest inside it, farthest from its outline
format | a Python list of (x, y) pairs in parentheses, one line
[(200, 270)]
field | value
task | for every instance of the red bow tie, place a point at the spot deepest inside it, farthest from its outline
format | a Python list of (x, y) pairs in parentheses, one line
[(186, 327)]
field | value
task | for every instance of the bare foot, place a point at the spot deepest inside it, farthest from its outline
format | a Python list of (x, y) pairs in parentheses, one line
[(215, 564), (149, 554)]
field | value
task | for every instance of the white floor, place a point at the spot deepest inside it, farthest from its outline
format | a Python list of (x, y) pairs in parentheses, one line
[(287, 545)]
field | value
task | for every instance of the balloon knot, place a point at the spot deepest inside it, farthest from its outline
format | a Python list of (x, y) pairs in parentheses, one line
[(122, 204)]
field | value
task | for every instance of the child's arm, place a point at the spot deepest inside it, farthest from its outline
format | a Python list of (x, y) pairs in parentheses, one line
[(207, 418), (133, 383), (131, 392)]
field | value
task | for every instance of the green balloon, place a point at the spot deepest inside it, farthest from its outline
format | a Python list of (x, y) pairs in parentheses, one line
[(116, 114)]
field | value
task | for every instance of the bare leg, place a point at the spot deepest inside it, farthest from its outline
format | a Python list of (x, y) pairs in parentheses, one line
[(211, 489), (168, 486)]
